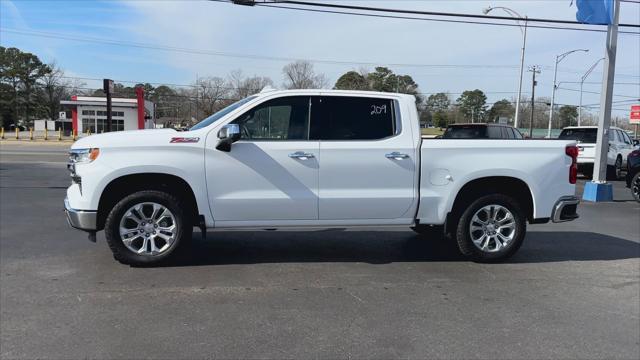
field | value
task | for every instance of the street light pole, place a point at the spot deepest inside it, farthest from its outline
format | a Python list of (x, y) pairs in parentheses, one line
[(559, 58), (584, 77), (523, 30)]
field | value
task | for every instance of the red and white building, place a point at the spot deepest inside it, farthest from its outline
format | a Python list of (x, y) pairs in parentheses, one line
[(89, 113)]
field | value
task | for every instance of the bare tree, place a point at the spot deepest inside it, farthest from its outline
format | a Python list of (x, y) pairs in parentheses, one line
[(243, 87), (54, 89), (210, 93), (301, 75)]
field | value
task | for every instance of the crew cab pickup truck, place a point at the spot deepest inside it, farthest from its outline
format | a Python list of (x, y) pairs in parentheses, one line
[(315, 159)]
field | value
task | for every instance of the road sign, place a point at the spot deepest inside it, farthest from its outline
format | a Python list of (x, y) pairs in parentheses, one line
[(62, 115), (634, 116)]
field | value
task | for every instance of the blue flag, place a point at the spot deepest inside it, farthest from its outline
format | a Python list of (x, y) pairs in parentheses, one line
[(599, 12)]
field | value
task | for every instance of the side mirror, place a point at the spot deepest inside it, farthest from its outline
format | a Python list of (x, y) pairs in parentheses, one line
[(229, 134), (636, 142)]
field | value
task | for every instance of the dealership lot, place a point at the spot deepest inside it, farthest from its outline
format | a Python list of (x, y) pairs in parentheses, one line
[(572, 290)]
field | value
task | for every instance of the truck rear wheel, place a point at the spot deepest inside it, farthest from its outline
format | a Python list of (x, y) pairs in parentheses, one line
[(146, 228), (491, 229)]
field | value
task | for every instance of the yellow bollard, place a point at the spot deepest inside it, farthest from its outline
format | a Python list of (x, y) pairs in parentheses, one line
[(2, 133), (46, 134), (75, 134), (60, 134), (17, 133), (30, 133)]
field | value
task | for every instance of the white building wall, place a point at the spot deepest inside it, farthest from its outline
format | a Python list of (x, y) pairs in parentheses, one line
[(130, 117)]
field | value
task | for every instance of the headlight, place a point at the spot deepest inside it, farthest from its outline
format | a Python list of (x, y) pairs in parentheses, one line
[(83, 155)]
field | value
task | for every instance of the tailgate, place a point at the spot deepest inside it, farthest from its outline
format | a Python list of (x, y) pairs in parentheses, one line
[(586, 152)]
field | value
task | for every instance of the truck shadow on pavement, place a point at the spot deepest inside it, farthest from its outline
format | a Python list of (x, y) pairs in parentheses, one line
[(383, 247)]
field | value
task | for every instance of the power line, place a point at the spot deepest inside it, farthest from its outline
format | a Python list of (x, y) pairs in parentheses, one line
[(437, 20), (234, 55), (252, 56), (595, 92), (598, 83), (417, 12)]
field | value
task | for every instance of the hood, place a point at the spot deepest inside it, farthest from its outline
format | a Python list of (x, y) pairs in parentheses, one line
[(125, 138)]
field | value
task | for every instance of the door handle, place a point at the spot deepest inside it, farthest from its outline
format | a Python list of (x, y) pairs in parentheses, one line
[(301, 155), (396, 156)]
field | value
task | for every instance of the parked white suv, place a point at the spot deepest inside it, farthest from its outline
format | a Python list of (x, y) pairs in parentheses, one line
[(620, 145), (315, 159)]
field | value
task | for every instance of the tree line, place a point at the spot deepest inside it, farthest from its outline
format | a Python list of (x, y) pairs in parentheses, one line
[(31, 89)]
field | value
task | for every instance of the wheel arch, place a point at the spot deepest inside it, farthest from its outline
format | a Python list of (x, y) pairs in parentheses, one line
[(506, 185), (125, 185)]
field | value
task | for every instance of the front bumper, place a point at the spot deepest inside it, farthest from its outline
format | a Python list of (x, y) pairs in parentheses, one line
[(565, 209), (81, 219)]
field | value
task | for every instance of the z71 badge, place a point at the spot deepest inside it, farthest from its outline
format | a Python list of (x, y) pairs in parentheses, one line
[(181, 140)]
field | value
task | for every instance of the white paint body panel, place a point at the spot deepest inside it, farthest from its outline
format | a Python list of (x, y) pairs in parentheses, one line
[(541, 164), (258, 181), (347, 183)]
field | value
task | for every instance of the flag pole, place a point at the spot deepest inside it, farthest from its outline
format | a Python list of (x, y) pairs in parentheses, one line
[(598, 189)]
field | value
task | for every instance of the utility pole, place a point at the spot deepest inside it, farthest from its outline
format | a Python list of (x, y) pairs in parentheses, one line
[(535, 70), (107, 85)]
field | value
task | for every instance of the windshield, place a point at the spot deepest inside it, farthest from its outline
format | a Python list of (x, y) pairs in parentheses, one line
[(584, 135), (220, 114), (465, 132)]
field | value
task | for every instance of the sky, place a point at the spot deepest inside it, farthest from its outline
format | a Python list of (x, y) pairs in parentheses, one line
[(174, 42)]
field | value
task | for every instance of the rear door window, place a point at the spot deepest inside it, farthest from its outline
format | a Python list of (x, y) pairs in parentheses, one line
[(495, 132), (466, 132), (352, 118), (516, 133), (584, 135)]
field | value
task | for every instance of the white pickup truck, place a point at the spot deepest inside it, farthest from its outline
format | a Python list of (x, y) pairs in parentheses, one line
[(315, 159)]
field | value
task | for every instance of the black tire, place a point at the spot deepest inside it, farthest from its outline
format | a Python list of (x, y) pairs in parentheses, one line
[(429, 231), (615, 172), (463, 235), (635, 186), (121, 253), (587, 171)]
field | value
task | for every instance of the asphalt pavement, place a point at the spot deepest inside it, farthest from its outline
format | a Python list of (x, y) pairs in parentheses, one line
[(572, 291)]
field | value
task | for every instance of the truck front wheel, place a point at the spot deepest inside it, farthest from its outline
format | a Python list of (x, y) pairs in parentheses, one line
[(492, 228), (146, 228)]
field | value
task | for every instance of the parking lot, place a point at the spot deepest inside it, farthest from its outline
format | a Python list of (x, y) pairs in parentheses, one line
[(572, 291)]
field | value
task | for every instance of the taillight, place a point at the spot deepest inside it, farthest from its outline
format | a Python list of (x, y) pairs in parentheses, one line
[(572, 151)]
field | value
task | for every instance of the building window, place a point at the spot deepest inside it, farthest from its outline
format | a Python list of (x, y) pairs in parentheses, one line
[(89, 125), (88, 112), (113, 113), (116, 125)]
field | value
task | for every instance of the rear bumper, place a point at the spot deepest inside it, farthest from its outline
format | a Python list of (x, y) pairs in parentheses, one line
[(565, 209), (80, 219)]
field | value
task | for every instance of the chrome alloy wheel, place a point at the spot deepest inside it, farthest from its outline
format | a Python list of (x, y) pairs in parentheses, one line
[(618, 169), (148, 228), (492, 228), (635, 187)]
